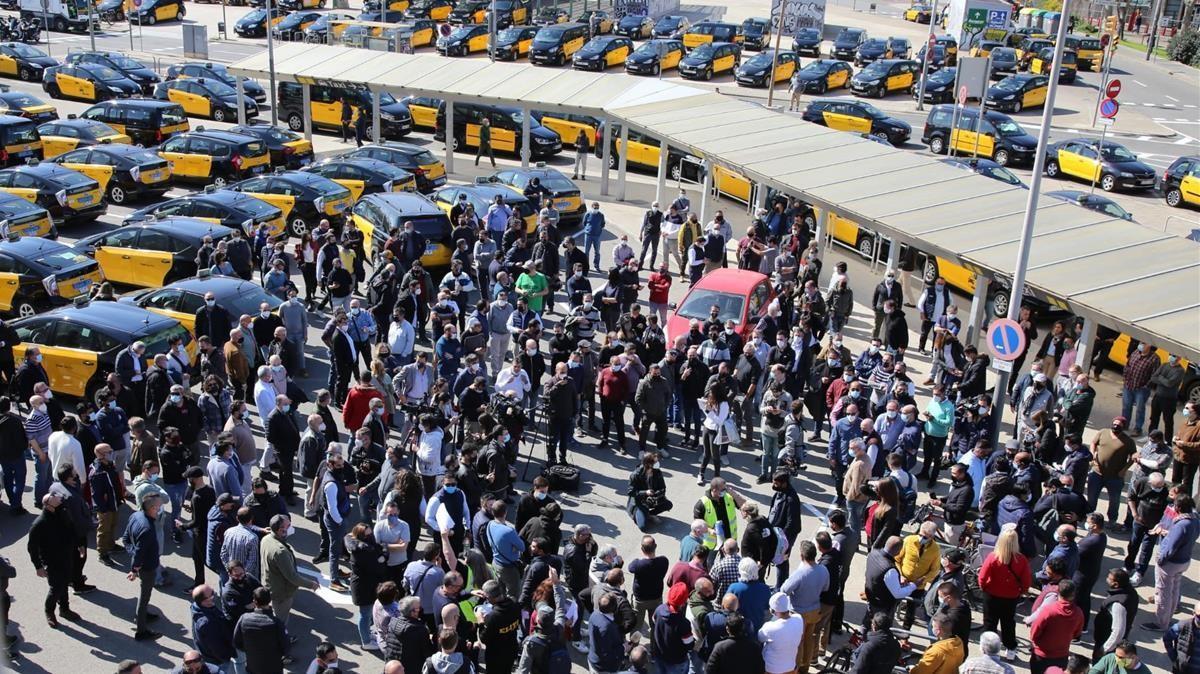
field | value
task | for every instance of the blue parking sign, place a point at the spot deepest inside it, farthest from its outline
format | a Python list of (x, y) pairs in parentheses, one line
[(997, 18), (1005, 339)]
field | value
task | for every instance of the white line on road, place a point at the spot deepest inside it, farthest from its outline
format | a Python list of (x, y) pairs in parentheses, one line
[(1138, 83), (1185, 140), (1172, 98), (1144, 138)]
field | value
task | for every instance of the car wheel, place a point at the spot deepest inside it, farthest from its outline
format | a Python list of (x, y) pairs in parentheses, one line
[(219, 181), (881, 91), (218, 115), (151, 20), (180, 14), (866, 247), (26, 309), (657, 69), (1174, 197), (1192, 393), (1052, 168), (295, 122), (931, 271), (999, 303), (937, 145), (1001, 157), (810, 221), (297, 227), (1017, 107), (613, 160), (1108, 182), (117, 194), (53, 90), (882, 136), (456, 143), (25, 74), (822, 87), (60, 25), (708, 74)]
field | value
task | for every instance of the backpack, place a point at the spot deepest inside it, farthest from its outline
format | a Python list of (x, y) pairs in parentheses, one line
[(558, 660), (908, 499), (484, 541), (1050, 521)]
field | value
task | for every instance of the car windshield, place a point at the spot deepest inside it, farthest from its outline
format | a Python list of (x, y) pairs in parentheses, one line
[(807, 33), (593, 47), (817, 67), (142, 157), (873, 43), (21, 133), (701, 301), (1007, 127), (62, 259), (759, 60), (1117, 153), (1000, 173), (275, 133), (424, 158), (393, 173), (546, 38), (667, 23), (20, 100), (752, 27), (106, 74), (126, 63), (872, 111), (1004, 54), (875, 70), (219, 88), (704, 51), (1111, 208), (630, 21), (461, 33), (647, 49), (848, 36), (1009, 84), (68, 178), (510, 34), (942, 76), (1089, 43), (158, 341), (173, 116), (16, 207), (435, 228), (255, 16), (248, 301), (25, 50)]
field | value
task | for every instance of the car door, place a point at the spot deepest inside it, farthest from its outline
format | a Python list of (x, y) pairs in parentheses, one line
[(71, 83), (197, 160), (1088, 165), (326, 108), (367, 217), (618, 51), (8, 63), (21, 184), (478, 41), (670, 56), (10, 281), (985, 136), (839, 75), (727, 60), (853, 118), (192, 97), (95, 165), (115, 254), (153, 257), (174, 150), (962, 138), (786, 66), (504, 135), (1189, 184), (1035, 92), (57, 139), (643, 150)]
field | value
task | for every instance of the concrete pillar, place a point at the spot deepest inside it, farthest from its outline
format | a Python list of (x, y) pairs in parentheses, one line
[(978, 308), (707, 189), (605, 155), (822, 228), (376, 122), (621, 163), (760, 200), (241, 99), (1084, 344), (526, 147), (306, 104), (893, 261), (449, 136), (660, 187)]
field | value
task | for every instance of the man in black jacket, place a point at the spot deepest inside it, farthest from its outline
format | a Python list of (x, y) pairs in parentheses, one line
[(974, 378), (51, 546), (213, 321), (564, 406), (262, 637), (499, 630), (741, 653), (407, 638), (29, 373), (759, 540), (158, 386), (784, 514), (284, 436), (879, 652), (541, 561), (887, 289), (237, 596)]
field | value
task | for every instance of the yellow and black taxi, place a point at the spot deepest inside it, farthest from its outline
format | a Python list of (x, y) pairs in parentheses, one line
[(1181, 183), (997, 136), (19, 141), (711, 32), (655, 56), (182, 299), (214, 157), (464, 40), (124, 172), (568, 124), (146, 121), (505, 129), (437, 10), (468, 12), (602, 52), (873, 49), (1018, 92), (710, 59), (293, 25), (1017, 35), (671, 26), (823, 75), (1031, 47), (555, 44), (568, 199), (150, 12), (601, 21), (390, 5), (756, 71), (1111, 166), (427, 168), (939, 86), (297, 5), (920, 13), (363, 176), (305, 198), (37, 275), (24, 61), (202, 97), (635, 27), (132, 69), (1004, 62), (374, 216), (885, 77), (64, 135), (254, 22), (1044, 62), (21, 104), (1089, 53), (549, 16), (480, 196), (152, 253), (984, 48), (423, 110), (511, 12), (70, 196), (216, 207), (288, 148), (80, 344), (325, 108), (858, 117), (318, 31), (936, 56), (420, 32), (87, 82), (514, 42), (847, 42), (20, 217), (807, 41), (756, 33), (949, 44), (216, 71)]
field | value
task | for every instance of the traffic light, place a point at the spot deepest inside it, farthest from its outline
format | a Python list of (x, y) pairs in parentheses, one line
[(1110, 25)]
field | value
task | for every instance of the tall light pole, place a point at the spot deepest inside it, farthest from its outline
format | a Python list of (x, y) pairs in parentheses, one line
[(774, 57), (1035, 186), (271, 66), (928, 57)]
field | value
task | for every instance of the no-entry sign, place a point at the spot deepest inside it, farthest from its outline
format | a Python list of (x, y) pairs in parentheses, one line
[(1112, 88)]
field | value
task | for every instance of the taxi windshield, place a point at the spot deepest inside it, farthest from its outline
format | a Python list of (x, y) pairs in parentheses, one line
[(1010, 84), (1089, 43), (1007, 127), (24, 50), (874, 43), (69, 179), (517, 116), (875, 70), (21, 133), (432, 227), (106, 74), (20, 100), (760, 59), (142, 157), (15, 208), (1117, 153), (1004, 54), (700, 302), (647, 49), (255, 16), (393, 173), (126, 62), (704, 51), (1000, 173), (667, 23), (277, 134), (594, 47), (817, 67), (461, 33), (510, 34), (61, 259), (422, 5), (631, 21), (942, 76), (872, 111), (807, 33), (546, 38), (752, 27), (219, 88)]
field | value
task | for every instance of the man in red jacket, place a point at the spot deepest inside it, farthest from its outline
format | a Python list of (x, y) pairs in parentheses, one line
[(358, 402), (1054, 629), (660, 287), (613, 386)]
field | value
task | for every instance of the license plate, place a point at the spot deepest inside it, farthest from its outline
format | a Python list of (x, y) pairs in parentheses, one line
[(82, 285), (85, 199), (429, 248), (24, 153), (305, 161), (256, 169)]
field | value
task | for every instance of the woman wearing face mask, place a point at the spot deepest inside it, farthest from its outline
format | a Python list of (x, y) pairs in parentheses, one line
[(717, 434), (214, 402), (367, 571), (647, 491)]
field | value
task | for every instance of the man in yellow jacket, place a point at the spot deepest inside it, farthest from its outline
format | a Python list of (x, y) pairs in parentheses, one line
[(919, 560), (943, 656)]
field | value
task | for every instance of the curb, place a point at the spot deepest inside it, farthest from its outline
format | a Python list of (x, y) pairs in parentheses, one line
[(1118, 134)]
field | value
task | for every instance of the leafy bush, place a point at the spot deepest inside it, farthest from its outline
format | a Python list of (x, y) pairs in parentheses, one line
[(1185, 47)]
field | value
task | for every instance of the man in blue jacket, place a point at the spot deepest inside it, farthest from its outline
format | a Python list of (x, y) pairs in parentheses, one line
[(212, 633), (1174, 556), (593, 229), (844, 430), (608, 644), (141, 542)]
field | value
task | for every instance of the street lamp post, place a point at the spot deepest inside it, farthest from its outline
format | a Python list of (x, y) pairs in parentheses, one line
[(928, 56), (271, 65), (1035, 186)]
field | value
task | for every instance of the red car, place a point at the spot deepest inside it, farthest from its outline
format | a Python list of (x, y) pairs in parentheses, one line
[(741, 295)]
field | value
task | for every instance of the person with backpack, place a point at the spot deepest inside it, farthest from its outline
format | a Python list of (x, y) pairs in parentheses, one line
[(545, 650)]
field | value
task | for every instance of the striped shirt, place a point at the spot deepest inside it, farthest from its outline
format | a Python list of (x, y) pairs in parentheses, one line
[(37, 427), (241, 543)]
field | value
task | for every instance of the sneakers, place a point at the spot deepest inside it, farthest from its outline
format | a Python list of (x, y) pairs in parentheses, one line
[(700, 479), (580, 646), (84, 589), (763, 479), (1010, 654), (371, 646), (1135, 579)]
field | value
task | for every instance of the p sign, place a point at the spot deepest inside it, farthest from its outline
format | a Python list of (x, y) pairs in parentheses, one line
[(1005, 339)]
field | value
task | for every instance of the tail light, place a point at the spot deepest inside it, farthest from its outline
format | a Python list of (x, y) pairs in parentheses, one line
[(289, 150), (418, 171), (61, 196), (3, 155), (158, 135), (51, 285), (236, 160), (135, 173)]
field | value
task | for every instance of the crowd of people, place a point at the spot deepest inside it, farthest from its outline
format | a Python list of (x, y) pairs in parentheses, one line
[(407, 463)]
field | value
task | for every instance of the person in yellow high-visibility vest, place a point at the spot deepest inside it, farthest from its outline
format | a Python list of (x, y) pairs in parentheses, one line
[(718, 507)]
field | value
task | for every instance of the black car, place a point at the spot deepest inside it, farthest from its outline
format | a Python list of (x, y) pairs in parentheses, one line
[(939, 86), (507, 46), (1000, 138), (254, 22), (1004, 62), (756, 32), (634, 27), (130, 68), (27, 62), (422, 163), (671, 26), (130, 172), (651, 56), (807, 41), (217, 71), (1092, 202), (846, 45), (1181, 183), (1117, 167), (871, 50), (937, 61), (857, 117), (288, 148), (825, 74), (986, 168), (756, 70)]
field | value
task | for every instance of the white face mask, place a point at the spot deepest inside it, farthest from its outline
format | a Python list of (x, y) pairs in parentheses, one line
[(321, 428)]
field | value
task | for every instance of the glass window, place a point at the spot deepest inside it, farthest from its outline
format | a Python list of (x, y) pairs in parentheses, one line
[(74, 336), (758, 298), (37, 332), (126, 238), (190, 303), (153, 239), (167, 298), (76, 157), (699, 302), (200, 209), (177, 208), (1086, 151), (25, 180)]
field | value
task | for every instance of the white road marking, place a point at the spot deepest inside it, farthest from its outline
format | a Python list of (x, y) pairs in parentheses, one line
[(817, 513), (1138, 83), (1185, 140), (1172, 98), (1144, 138)]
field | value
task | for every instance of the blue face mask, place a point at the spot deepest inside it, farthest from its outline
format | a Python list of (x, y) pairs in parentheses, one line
[(451, 489)]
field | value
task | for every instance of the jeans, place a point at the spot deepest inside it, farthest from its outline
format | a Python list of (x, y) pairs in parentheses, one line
[(671, 668), (335, 531), (41, 478), (1131, 397), (592, 244), (770, 452), (856, 514), (175, 492), (364, 625), (1095, 482), (14, 481), (1141, 545)]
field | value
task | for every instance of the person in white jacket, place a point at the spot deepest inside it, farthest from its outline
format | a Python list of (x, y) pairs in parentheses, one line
[(513, 382), (63, 448), (716, 434)]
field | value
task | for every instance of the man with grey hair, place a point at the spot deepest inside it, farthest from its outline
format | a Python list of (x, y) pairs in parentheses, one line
[(989, 662), (142, 542), (407, 638), (752, 593), (724, 571), (693, 540)]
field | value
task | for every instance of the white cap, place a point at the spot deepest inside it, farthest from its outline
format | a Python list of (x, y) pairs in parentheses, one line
[(780, 602)]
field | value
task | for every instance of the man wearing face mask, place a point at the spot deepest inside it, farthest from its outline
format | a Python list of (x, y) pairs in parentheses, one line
[(130, 365), (1113, 453), (181, 411), (844, 430), (29, 373), (932, 305), (1166, 381), (938, 417), (888, 289), (284, 436), (280, 574)]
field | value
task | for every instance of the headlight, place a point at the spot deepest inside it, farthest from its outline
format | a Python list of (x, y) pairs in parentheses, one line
[(388, 116), (1126, 174), (135, 173), (387, 186), (61, 196)]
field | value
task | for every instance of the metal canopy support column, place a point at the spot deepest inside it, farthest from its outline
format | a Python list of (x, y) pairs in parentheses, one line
[(241, 100), (526, 148), (978, 307), (605, 155), (376, 130), (307, 112), (707, 188), (621, 164), (660, 188), (1084, 344), (449, 120), (760, 198), (822, 227), (893, 261)]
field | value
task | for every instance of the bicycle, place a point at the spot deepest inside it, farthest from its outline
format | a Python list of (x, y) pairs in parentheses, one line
[(840, 660)]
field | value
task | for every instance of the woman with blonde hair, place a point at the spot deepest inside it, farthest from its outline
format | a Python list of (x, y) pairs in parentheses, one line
[(1004, 577), (382, 381)]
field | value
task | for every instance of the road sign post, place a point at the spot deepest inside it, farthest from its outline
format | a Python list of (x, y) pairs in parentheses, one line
[(928, 56)]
